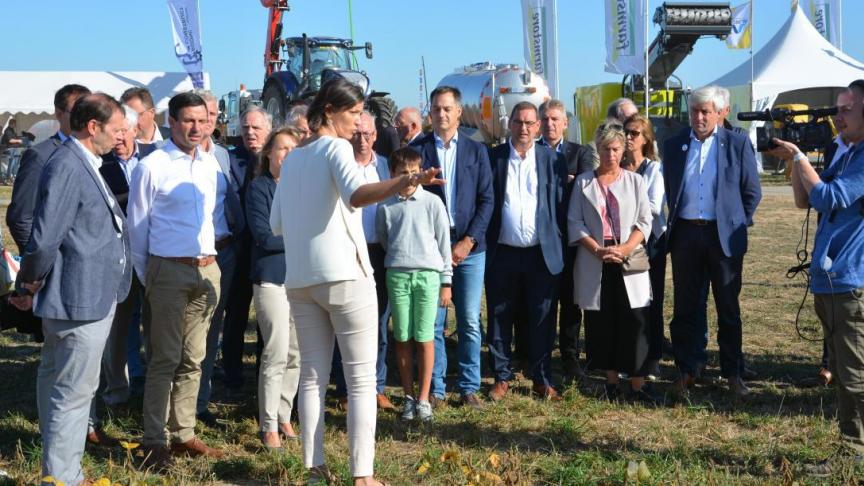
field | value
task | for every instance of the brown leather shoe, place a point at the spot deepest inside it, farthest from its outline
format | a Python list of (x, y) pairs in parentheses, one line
[(157, 458), (499, 389), (194, 447), (738, 388), (546, 392), (99, 438), (825, 376), (473, 401), (437, 402), (384, 402)]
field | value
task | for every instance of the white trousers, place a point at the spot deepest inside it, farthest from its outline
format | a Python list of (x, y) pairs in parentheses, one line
[(347, 310), (66, 382), (279, 371)]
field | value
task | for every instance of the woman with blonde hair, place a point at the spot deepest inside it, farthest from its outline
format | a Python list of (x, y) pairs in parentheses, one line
[(609, 218)]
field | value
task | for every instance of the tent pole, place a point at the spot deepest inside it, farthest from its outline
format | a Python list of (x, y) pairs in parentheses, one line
[(647, 81), (840, 24), (752, 100)]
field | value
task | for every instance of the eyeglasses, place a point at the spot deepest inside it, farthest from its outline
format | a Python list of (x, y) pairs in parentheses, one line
[(521, 123), (366, 135), (632, 133)]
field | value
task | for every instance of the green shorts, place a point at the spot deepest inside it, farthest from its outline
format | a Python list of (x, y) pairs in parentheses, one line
[(414, 300)]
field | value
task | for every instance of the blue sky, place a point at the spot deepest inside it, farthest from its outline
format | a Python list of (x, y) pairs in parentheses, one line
[(136, 36)]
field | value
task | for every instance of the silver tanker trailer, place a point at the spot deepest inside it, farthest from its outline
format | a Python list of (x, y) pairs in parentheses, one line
[(489, 93)]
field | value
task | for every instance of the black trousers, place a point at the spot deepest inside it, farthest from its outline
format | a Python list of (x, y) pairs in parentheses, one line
[(657, 251), (519, 285), (570, 315), (237, 316), (698, 258), (616, 336)]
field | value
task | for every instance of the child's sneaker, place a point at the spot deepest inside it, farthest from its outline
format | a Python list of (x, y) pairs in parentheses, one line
[(408, 413), (424, 411)]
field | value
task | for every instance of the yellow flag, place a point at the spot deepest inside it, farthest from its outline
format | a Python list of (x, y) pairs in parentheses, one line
[(741, 36)]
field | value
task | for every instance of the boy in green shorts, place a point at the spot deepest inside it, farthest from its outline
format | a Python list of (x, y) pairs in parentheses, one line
[(414, 230)]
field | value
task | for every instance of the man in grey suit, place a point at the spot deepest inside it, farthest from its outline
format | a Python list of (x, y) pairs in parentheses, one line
[(25, 192), (77, 265), (226, 255)]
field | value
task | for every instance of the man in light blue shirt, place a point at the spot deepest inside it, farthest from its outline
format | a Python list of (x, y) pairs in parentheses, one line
[(447, 156), (712, 189), (837, 268)]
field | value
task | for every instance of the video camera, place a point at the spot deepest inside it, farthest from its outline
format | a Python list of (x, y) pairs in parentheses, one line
[(814, 134)]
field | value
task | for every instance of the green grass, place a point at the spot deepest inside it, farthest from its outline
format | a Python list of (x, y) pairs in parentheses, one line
[(580, 440)]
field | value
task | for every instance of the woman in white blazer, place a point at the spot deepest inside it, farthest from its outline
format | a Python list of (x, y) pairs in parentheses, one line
[(608, 218), (328, 277)]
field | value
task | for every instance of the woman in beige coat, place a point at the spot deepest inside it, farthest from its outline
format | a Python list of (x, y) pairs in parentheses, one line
[(608, 218)]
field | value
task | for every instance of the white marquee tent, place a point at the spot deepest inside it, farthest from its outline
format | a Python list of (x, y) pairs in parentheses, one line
[(797, 65), (29, 95)]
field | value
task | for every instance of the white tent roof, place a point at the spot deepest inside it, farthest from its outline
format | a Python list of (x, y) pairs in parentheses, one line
[(33, 91), (797, 57)]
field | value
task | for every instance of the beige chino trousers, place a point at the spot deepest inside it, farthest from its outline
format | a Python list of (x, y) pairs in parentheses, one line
[(182, 299)]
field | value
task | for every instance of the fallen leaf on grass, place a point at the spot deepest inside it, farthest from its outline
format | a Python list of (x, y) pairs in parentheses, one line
[(129, 445), (494, 460), (451, 455), (423, 468)]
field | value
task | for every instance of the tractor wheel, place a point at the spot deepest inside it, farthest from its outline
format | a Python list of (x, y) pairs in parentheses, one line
[(273, 101), (384, 109)]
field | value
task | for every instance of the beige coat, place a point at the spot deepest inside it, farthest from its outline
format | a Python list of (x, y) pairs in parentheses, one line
[(583, 219)]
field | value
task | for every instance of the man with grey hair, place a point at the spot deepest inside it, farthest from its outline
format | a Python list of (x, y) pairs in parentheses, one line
[(712, 187), (409, 125), (116, 171), (373, 168), (296, 117), (622, 109), (579, 159), (226, 253), (255, 127)]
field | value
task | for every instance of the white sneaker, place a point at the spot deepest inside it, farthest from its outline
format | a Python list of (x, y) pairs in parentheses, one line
[(408, 413), (424, 411)]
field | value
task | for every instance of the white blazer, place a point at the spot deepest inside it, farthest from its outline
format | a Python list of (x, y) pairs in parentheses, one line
[(583, 220), (312, 211)]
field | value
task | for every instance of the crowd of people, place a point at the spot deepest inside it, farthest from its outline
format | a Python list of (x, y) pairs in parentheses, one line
[(137, 238)]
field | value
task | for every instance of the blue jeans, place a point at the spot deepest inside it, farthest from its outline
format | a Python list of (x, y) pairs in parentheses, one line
[(467, 290)]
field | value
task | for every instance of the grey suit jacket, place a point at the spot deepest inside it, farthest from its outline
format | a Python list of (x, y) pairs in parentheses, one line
[(25, 192), (79, 246)]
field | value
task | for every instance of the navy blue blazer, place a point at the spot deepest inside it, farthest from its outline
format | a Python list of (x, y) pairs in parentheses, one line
[(738, 187), (268, 250), (551, 195), (25, 192), (474, 197), (114, 176), (79, 246)]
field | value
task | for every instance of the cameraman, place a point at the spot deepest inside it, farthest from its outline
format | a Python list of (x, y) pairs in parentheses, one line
[(837, 268)]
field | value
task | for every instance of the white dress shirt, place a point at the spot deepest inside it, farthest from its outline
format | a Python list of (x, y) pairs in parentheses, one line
[(447, 159), (700, 179), (369, 174), (172, 201), (322, 232), (519, 212), (157, 135)]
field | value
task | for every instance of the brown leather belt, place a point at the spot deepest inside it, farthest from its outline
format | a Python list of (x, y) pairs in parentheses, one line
[(221, 244), (699, 222), (194, 261)]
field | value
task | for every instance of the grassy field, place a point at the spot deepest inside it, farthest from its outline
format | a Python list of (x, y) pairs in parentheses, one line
[(580, 440)]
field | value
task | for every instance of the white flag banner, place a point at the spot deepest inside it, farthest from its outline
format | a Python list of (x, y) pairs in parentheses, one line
[(540, 27), (625, 36), (825, 16), (186, 28)]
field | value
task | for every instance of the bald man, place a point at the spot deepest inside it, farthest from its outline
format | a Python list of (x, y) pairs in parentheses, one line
[(409, 125)]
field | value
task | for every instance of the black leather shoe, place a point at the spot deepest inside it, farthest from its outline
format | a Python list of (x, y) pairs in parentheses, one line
[(209, 419)]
